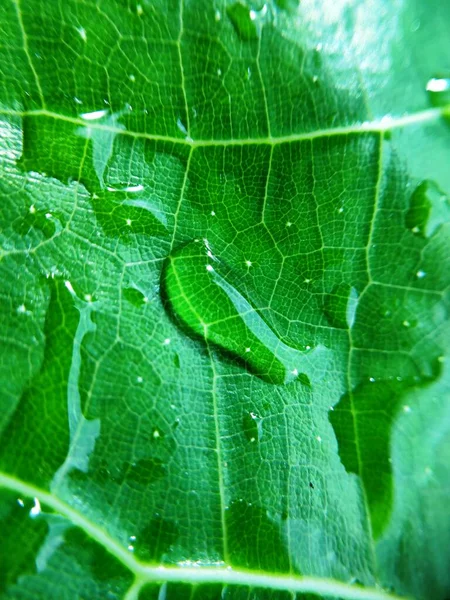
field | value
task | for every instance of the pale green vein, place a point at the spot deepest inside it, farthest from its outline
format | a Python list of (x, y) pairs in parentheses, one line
[(193, 575), (376, 126), (180, 199), (219, 457), (375, 208), (27, 51), (183, 79)]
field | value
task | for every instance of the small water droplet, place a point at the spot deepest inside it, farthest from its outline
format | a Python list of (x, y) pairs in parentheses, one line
[(438, 89), (243, 19), (134, 296), (420, 274), (428, 209), (253, 426), (209, 303), (48, 223), (340, 306), (36, 509)]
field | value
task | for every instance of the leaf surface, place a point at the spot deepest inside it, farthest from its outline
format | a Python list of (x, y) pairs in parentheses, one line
[(224, 299)]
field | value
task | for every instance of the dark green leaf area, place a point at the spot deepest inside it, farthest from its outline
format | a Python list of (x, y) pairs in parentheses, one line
[(255, 538), (51, 545), (50, 385), (363, 421), (18, 531)]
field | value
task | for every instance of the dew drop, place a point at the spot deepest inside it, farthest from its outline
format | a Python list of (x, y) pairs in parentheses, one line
[(428, 209), (243, 20), (134, 296), (211, 305), (340, 306)]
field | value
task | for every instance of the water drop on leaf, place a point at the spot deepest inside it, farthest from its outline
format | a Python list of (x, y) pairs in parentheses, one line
[(429, 207), (253, 426), (340, 306), (243, 23), (204, 295), (135, 296)]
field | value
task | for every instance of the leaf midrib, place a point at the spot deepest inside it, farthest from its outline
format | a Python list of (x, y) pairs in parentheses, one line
[(376, 126), (153, 573)]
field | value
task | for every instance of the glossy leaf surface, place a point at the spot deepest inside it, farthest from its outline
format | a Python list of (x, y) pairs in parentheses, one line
[(224, 256)]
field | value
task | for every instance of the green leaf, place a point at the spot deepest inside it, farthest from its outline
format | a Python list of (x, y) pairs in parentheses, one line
[(224, 234)]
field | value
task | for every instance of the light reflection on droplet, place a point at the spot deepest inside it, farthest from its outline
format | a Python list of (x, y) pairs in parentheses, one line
[(94, 115), (438, 85)]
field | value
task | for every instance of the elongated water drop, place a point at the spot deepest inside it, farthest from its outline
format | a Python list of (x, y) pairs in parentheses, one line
[(212, 307), (340, 306)]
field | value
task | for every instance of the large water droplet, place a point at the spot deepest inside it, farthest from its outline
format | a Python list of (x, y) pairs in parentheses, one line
[(340, 306), (438, 89), (429, 207), (206, 300), (243, 20)]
